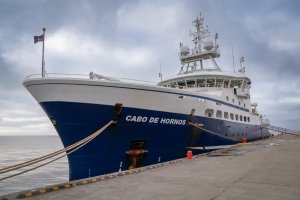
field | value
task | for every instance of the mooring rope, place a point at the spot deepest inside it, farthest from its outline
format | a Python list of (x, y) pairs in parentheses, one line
[(214, 133), (76, 145)]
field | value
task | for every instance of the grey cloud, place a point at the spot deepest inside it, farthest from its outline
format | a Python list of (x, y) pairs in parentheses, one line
[(249, 25)]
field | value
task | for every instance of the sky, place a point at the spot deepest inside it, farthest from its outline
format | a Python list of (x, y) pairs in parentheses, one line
[(130, 38)]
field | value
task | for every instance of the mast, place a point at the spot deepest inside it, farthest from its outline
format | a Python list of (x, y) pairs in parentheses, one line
[(202, 50), (43, 59)]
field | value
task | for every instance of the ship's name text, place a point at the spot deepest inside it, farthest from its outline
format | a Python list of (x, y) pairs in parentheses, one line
[(155, 120)]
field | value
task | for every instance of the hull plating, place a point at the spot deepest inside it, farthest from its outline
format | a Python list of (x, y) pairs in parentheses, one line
[(161, 139)]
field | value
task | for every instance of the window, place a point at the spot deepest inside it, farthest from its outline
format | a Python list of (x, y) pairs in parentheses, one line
[(190, 83), (181, 84), (239, 103), (237, 117), (226, 83), (241, 118), (219, 114), (219, 82), (201, 82), (210, 82), (232, 100), (244, 105), (231, 116), (227, 98), (237, 83), (245, 120), (226, 115), (248, 119), (173, 85), (209, 112)]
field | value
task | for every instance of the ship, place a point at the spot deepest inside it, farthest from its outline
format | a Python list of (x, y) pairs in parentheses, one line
[(200, 107)]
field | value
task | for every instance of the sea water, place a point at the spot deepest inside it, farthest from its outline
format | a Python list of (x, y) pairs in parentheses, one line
[(16, 149)]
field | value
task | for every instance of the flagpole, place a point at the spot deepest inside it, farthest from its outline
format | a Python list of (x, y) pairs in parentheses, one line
[(43, 61)]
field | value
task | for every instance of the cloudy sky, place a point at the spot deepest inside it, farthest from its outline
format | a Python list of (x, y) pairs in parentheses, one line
[(129, 38)]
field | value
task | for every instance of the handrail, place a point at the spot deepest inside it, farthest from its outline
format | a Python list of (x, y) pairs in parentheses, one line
[(280, 129), (84, 76)]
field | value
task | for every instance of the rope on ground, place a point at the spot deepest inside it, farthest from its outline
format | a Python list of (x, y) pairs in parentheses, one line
[(214, 133), (71, 149)]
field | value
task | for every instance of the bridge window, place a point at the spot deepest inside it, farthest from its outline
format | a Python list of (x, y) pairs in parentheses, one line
[(231, 116), (219, 114), (237, 83), (181, 84), (209, 112), (226, 83), (210, 82), (190, 83), (219, 82), (201, 82), (237, 117), (226, 115), (173, 85)]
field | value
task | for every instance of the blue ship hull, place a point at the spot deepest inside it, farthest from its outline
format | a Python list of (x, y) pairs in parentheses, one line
[(154, 142)]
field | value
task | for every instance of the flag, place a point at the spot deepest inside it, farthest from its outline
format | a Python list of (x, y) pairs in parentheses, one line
[(38, 38)]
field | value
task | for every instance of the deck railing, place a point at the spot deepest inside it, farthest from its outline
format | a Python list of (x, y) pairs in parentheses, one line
[(282, 130), (84, 76)]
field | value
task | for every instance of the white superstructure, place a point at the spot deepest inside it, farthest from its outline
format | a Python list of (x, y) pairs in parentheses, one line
[(231, 88)]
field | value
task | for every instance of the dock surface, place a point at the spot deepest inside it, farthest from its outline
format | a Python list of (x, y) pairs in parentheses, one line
[(267, 169)]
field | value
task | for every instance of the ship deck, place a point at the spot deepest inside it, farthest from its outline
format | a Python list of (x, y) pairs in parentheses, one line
[(266, 169)]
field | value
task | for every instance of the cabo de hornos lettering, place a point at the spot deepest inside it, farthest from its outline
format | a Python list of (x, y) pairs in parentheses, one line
[(155, 120)]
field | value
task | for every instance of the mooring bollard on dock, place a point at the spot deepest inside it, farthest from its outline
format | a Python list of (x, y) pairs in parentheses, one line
[(244, 140), (189, 155)]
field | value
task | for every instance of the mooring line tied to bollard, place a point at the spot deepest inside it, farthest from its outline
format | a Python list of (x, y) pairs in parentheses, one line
[(68, 150)]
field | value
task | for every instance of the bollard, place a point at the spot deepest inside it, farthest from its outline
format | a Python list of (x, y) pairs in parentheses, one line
[(189, 155), (244, 140)]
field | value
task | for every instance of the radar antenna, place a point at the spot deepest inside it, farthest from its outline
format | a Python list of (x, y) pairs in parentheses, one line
[(242, 69), (201, 51)]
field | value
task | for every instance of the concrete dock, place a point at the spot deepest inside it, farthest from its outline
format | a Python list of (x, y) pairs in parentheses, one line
[(267, 169)]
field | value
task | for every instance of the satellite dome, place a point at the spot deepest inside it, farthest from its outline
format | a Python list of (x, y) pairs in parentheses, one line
[(209, 45), (184, 50)]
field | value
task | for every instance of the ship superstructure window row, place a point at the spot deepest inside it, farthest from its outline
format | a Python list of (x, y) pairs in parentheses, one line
[(219, 114), (206, 82)]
